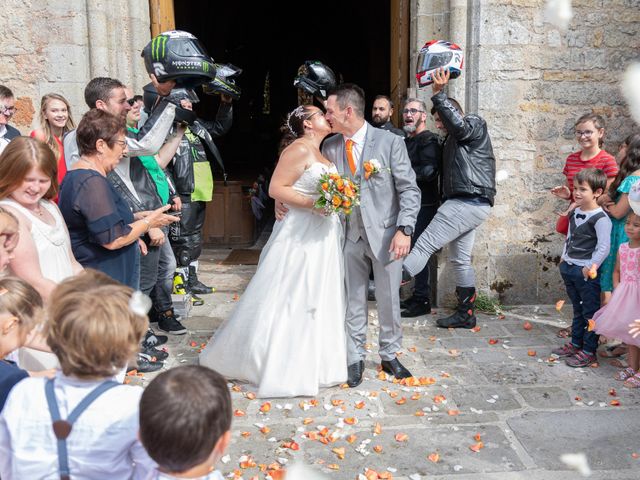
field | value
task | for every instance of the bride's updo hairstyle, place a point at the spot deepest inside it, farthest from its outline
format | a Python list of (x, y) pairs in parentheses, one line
[(293, 126)]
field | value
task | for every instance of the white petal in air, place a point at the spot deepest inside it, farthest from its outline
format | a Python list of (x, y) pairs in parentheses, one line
[(577, 461), (558, 13), (501, 175), (140, 304), (631, 90)]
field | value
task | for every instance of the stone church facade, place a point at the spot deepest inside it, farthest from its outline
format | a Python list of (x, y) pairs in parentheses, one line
[(526, 78)]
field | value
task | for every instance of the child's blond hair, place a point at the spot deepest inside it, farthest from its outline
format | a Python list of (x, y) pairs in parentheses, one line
[(91, 328), (21, 300)]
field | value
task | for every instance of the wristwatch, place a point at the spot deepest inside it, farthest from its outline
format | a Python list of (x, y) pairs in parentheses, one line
[(406, 229)]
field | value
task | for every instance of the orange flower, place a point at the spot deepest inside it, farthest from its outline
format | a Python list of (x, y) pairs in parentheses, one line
[(325, 186), (340, 184), (337, 201), (367, 175), (368, 167), (346, 203)]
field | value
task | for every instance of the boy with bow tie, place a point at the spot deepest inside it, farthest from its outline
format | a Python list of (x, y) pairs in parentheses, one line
[(586, 247)]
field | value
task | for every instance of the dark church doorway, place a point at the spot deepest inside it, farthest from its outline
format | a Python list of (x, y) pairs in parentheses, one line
[(269, 41)]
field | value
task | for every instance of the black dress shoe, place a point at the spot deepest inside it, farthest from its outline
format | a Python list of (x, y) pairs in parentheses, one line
[(395, 368), (407, 303), (354, 373), (416, 309)]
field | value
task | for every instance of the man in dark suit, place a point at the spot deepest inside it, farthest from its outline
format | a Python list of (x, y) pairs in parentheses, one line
[(7, 109)]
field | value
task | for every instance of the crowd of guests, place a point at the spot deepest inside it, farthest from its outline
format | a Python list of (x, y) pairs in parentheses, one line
[(104, 196)]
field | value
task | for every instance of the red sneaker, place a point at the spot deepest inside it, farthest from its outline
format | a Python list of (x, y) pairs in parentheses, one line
[(580, 359), (567, 350)]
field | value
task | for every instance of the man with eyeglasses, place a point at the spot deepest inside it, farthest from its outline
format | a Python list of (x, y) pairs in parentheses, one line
[(468, 190), (7, 110), (425, 154), (381, 115)]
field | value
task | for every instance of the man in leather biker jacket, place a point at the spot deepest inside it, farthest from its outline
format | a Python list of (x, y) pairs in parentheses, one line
[(468, 191)]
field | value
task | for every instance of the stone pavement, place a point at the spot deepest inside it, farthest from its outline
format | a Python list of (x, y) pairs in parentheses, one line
[(492, 405)]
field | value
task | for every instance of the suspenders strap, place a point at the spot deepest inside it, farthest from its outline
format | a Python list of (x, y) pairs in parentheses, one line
[(62, 428)]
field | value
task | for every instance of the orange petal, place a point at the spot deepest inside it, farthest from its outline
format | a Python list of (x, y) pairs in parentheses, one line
[(350, 421), (439, 398), (453, 413), (477, 437), (236, 297), (527, 326), (434, 457), (307, 421), (415, 396), (382, 376), (265, 407), (360, 405), (377, 429), (351, 438), (401, 401), (401, 437), (427, 380), (291, 445), (412, 349), (340, 452), (559, 305), (337, 403), (265, 430), (419, 413), (333, 466), (377, 448), (371, 474), (531, 353), (476, 447), (251, 395), (239, 413), (132, 373), (493, 341), (591, 325), (613, 392), (614, 403), (245, 434), (476, 329)]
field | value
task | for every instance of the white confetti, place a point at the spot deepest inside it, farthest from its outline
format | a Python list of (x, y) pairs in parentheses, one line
[(501, 175), (226, 459), (415, 476), (491, 400), (631, 89), (139, 303), (457, 468), (577, 461), (558, 13)]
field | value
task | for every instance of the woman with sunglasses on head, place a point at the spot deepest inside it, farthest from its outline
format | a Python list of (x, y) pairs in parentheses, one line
[(55, 122), (104, 233)]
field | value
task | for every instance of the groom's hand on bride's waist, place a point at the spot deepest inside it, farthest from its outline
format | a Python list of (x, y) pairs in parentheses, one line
[(280, 209)]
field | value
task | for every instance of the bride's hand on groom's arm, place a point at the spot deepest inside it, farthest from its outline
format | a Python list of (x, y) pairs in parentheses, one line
[(281, 210), (400, 245)]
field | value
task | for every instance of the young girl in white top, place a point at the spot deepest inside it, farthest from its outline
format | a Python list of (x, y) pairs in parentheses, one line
[(45, 429)]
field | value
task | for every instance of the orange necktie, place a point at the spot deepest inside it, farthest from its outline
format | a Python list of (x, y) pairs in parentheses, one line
[(352, 163)]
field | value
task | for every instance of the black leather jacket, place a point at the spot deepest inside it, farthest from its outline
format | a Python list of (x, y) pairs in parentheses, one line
[(468, 164), (425, 153), (191, 150)]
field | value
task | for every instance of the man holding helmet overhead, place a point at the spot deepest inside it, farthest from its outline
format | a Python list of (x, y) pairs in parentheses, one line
[(468, 181)]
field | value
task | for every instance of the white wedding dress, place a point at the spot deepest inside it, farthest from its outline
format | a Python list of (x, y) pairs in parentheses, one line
[(287, 334)]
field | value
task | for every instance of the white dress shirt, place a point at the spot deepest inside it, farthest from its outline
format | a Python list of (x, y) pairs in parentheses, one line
[(103, 444), (358, 144)]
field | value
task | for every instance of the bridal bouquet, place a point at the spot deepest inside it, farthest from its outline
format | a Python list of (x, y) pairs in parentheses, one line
[(337, 194)]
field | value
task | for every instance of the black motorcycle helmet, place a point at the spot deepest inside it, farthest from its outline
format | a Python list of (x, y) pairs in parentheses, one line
[(224, 82), (177, 55), (150, 97), (316, 79)]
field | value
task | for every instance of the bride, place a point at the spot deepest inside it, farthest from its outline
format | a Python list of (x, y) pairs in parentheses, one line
[(286, 335)]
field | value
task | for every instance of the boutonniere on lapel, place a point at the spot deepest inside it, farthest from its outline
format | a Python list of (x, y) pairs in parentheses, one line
[(372, 167)]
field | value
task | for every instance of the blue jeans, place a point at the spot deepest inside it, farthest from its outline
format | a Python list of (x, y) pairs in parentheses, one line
[(585, 297), (156, 275)]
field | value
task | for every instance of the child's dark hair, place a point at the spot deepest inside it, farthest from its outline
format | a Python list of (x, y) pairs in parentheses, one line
[(629, 164), (594, 177), (183, 413)]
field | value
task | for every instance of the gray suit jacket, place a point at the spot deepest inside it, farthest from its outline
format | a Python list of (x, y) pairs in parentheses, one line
[(389, 198)]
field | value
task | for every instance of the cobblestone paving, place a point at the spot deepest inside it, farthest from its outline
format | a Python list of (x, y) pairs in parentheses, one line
[(491, 405)]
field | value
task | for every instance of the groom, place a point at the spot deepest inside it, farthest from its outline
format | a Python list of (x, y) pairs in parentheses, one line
[(378, 233)]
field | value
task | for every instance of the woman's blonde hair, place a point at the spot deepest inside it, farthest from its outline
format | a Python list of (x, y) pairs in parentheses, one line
[(90, 326), (44, 123), (19, 157), (21, 300)]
